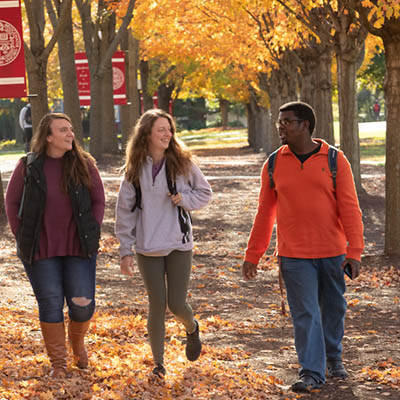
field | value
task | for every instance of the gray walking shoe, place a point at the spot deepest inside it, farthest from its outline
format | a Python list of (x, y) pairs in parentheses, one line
[(306, 383), (335, 368), (159, 371), (193, 344)]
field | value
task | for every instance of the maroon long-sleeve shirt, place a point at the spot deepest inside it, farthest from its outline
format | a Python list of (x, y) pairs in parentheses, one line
[(59, 233)]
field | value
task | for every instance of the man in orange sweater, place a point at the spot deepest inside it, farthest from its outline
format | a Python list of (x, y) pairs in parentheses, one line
[(319, 232)]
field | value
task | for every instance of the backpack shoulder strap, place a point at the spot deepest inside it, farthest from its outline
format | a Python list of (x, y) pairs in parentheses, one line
[(271, 167), (332, 162), (170, 183), (183, 215), (138, 199)]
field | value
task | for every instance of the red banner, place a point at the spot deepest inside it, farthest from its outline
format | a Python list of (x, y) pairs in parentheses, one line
[(119, 84), (12, 61), (83, 75)]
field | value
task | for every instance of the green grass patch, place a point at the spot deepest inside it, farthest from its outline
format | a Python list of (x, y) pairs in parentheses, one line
[(373, 149), (214, 137), (366, 130), (372, 139)]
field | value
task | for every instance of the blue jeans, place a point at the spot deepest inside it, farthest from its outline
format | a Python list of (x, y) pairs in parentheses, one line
[(56, 278), (315, 289)]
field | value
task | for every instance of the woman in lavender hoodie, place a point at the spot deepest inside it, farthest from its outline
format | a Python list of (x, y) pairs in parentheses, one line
[(152, 221)]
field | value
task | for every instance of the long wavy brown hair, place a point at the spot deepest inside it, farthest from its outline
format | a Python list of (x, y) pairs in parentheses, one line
[(75, 162), (177, 156)]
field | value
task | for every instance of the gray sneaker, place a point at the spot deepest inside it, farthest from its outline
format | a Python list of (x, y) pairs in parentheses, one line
[(193, 344)]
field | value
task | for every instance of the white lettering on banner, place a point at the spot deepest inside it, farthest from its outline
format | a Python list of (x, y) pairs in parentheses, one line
[(9, 4), (12, 80)]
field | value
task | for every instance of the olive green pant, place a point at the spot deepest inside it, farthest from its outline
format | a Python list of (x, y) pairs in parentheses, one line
[(166, 280)]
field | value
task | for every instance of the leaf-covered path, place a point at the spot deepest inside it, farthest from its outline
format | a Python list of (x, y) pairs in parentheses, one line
[(248, 345)]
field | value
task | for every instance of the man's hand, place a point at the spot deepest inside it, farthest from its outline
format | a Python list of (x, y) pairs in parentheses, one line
[(355, 266), (126, 265), (249, 270)]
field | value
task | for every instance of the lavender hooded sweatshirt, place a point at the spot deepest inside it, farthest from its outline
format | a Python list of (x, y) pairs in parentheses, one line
[(154, 230)]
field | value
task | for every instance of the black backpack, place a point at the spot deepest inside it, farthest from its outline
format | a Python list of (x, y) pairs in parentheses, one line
[(183, 215), (28, 116), (332, 162)]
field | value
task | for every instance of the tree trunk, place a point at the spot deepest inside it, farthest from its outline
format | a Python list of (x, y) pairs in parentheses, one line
[(131, 111), (323, 98), (36, 65), (3, 219), (110, 140), (349, 139), (392, 105), (273, 136), (251, 126), (165, 96), (66, 55), (37, 55), (259, 124), (96, 116), (349, 40), (223, 106), (144, 77), (37, 82), (99, 55), (278, 93), (16, 108), (307, 75)]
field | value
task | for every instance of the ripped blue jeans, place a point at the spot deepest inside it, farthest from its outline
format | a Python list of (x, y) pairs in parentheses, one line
[(58, 278)]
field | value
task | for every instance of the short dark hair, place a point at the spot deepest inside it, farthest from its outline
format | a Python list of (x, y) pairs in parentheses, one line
[(302, 111)]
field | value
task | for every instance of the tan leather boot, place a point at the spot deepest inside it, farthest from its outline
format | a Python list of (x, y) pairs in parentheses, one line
[(76, 336), (54, 340)]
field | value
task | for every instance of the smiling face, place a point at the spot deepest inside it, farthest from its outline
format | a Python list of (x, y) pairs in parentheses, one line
[(160, 136), (61, 138)]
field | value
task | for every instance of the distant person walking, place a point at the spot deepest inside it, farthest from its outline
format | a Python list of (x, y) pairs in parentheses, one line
[(25, 122), (161, 185), (55, 207), (319, 232), (377, 110)]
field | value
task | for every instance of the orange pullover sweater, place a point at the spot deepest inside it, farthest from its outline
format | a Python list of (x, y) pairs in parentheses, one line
[(313, 220)]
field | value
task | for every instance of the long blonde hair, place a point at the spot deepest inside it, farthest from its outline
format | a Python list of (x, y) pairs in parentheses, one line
[(178, 156), (75, 162)]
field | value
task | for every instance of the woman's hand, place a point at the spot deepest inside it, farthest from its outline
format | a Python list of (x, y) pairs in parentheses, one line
[(176, 198), (127, 265)]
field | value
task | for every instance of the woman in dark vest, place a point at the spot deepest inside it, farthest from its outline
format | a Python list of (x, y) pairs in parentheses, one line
[(55, 207)]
